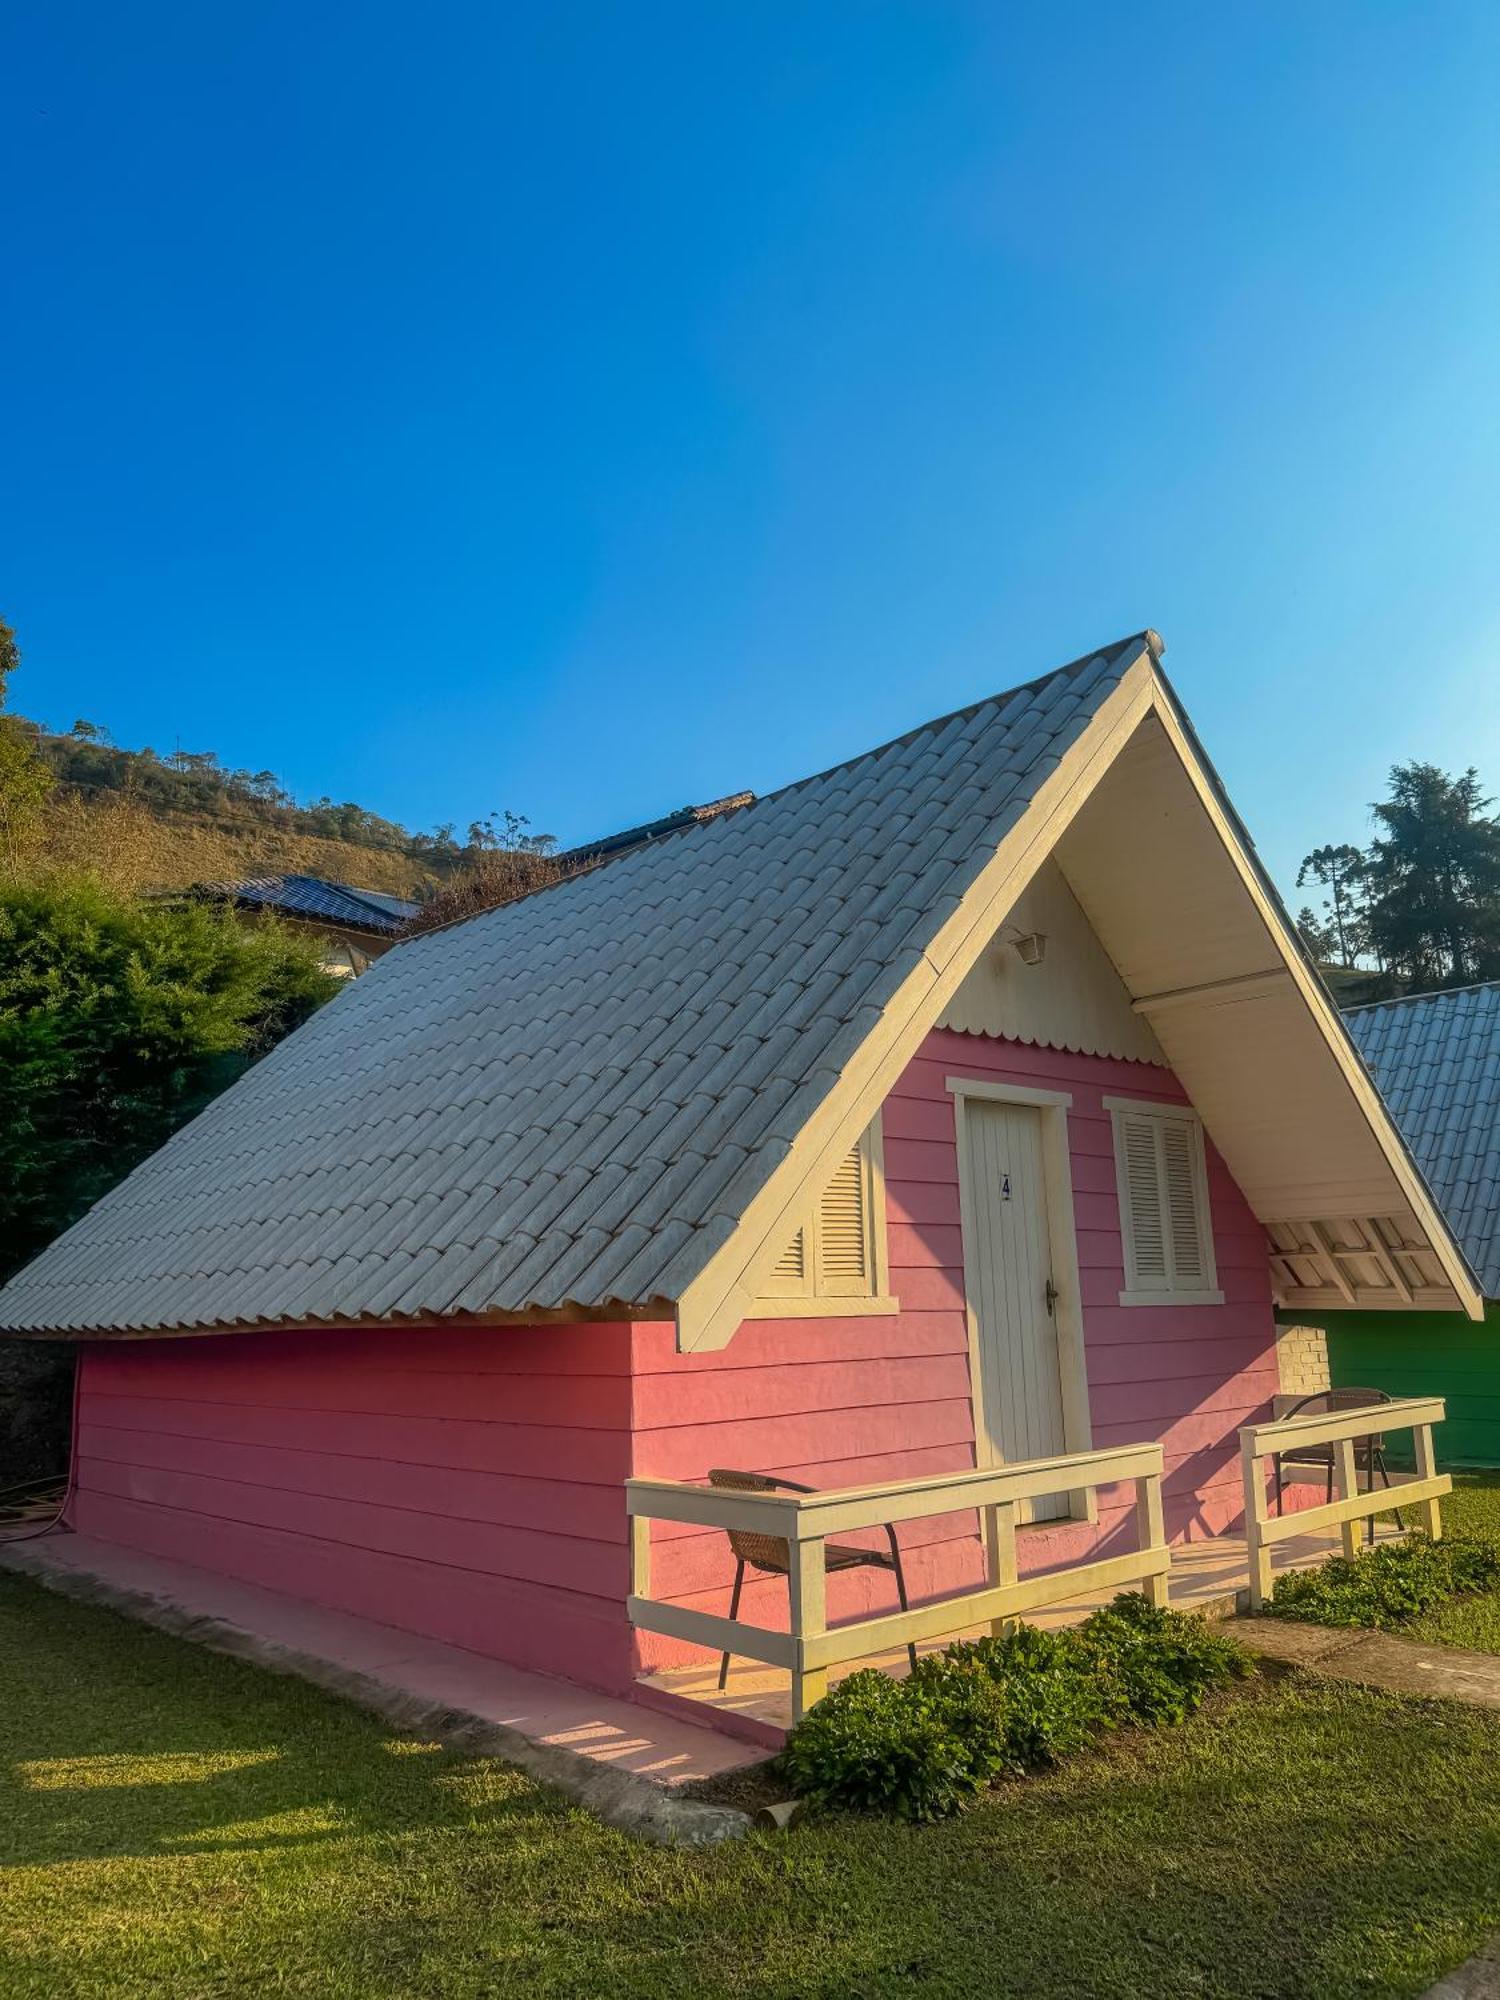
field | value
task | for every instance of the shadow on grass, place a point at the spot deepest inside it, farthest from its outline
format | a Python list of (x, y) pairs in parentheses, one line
[(179, 1823), (122, 1741)]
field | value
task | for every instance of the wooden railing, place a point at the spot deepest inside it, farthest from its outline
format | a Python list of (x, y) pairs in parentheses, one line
[(1342, 1429), (804, 1521)]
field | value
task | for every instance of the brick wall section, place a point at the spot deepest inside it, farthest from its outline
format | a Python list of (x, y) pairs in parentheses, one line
[(1302, 1360)]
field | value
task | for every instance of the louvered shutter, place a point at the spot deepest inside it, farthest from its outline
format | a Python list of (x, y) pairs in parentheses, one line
[(1164, 1217), (844, 1229), (1180, 1186), (834, 1254), (1141, 1206), (791, 1265)]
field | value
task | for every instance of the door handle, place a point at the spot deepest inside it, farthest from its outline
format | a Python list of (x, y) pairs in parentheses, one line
[(1050, 1295)]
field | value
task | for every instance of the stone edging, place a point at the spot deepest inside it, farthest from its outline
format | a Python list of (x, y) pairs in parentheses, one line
[(622, 1799), (1478, 1978)]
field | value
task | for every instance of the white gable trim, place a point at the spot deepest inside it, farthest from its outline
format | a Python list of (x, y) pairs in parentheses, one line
[(724, 1293)]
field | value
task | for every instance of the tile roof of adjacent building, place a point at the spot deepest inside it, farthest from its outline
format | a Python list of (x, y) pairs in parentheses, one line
[(1436, 1058), (316, 901), (568, 1102)]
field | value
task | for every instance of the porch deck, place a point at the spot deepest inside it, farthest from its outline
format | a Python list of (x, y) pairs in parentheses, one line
[(1211, 1576)]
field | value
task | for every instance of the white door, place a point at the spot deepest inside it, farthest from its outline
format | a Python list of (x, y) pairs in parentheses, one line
[(1008, 1268)]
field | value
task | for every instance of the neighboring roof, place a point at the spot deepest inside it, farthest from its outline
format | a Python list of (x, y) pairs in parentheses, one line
[(1436, 1058), (612, 845), (570, 1100), (316, 901)]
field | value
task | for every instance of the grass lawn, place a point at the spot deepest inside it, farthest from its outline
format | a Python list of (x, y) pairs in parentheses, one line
[(174, 1823), (1473, 1509)]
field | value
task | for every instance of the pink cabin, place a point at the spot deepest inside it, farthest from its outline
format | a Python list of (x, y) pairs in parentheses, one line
[(924, 1120)]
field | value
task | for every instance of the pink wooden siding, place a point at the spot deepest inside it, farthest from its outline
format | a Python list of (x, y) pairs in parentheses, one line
[(467, 1483), (838, 1401), (461, 1483)]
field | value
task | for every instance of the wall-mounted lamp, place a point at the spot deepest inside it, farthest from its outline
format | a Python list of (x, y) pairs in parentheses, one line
[(1030, 946)]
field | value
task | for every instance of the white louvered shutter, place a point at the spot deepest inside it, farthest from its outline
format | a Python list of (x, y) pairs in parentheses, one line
[(1164, 1217), (1141, 1206), (1180, 1181), (844, 1228), (834, 1253)]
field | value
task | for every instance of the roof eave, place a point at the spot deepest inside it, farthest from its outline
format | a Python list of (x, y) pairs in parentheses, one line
[(1319, 1001), (723, 1293)]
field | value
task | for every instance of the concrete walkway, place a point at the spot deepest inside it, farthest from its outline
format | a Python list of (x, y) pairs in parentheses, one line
[(1478, 1978), (1377, 1659), (625, 1762)]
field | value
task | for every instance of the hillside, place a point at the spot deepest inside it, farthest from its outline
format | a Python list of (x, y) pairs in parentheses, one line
[(143, 822), (137, 848)]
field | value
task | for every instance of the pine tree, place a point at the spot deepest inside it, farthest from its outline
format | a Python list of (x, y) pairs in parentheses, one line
[(1434, 879), (1343, 933)]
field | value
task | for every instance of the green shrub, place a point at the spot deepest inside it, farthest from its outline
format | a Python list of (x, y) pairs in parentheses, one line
[(990, 1708), (1162, 1662), (1390, 1584), (881, 1745), (1056, 1699)]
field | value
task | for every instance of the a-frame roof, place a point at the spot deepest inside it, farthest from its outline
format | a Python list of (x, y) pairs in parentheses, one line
[(613, 1096), (1436, 1057), (569, 1101)]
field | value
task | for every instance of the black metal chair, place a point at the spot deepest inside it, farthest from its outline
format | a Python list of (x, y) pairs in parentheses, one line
[(1369, 1452), (771, 1556)]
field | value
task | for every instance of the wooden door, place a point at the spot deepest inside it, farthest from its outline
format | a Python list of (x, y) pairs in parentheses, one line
[(1009, 1278)]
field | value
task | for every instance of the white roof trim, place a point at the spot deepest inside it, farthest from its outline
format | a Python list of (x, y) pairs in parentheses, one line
[(723, 1294)]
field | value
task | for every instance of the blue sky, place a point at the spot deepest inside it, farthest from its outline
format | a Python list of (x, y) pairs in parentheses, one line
[(589, 409)]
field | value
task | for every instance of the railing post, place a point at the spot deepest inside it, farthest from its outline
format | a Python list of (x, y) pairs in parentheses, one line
[(1151, 1532), (640, 1555), (1426, 1469), (809, 1620), (1346, 1484), (1255, 1520), (1000, 1551)]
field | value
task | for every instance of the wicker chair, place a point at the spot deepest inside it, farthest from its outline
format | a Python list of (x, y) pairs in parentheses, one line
[(770, 1555), (1369, 1452)]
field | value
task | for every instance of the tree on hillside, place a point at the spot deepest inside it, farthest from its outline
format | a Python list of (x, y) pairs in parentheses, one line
[(25, 780), (1434, 901), (119, 1020), (501, 863), (10, 657), (1342, 934), (1423, 900)]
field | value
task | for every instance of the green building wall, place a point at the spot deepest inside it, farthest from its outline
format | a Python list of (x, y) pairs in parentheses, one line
[(1426, 1354)]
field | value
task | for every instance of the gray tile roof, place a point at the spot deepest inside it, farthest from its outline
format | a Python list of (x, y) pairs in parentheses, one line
[(569, 1100), (311, 897), (1436, 1058)]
